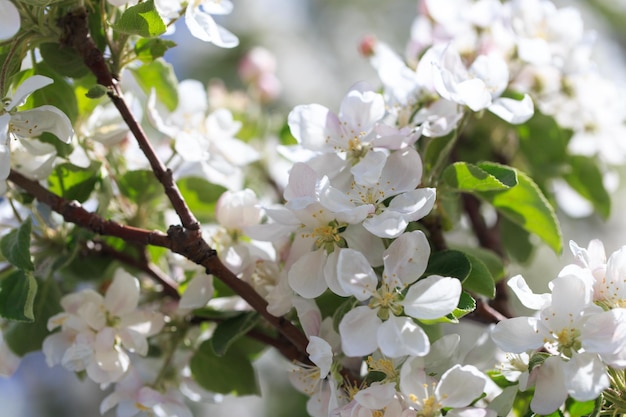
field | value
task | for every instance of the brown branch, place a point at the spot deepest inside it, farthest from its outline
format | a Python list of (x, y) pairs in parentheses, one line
[(170, 287), (76, 35), (488, 238), (188, 243)]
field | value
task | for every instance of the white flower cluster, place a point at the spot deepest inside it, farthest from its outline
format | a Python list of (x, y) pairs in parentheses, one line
[(578, 334)]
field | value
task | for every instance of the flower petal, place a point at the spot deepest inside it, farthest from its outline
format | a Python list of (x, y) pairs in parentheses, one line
[(400, 336), (432, 297), (122, 295), (358, 330), (198, 293), (9, 20), (406, 259), (33, 122)]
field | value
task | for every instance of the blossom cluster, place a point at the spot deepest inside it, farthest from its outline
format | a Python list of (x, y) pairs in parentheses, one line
[(577, 338), (348, 221)]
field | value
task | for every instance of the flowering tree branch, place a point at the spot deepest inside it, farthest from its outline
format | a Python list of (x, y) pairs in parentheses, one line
[(187, 243), (76, 35)]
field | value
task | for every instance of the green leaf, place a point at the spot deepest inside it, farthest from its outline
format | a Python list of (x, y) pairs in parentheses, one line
[(63, 59), (147, 50), (143, 19), (158, 75), (73, 182), (28, 337), (480, 280), (201, 196), (229, 331), (516, 241), (467, 177), (140, 186), (449, 263), (579, 409), (231, 373), (17, 295), (492, 261), (96, 91), (15, 246), (585, 177), (467, 304), (525, 205)]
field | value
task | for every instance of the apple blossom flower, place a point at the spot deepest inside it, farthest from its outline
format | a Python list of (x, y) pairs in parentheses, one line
[(457, 389), (363, 202), (381, 324), (581, 337), (480, 87), (26, 125), (205, 142), (98, 332)]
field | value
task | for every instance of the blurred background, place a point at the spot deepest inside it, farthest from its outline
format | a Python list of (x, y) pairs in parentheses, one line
[(315, 44)]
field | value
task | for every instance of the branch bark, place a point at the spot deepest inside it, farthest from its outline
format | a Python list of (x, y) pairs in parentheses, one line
[(188, 243)]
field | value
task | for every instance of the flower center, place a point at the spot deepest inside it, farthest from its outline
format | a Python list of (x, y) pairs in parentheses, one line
[(387, 301)]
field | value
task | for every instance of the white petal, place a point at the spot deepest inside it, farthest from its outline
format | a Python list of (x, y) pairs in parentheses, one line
[(388, 224), (355, 275), (513, 111), (320, 354), (459, 386), (376, 396), (400, 336), (402, 172), (33, 122), (406, 259), (550, 391), (5, 162), (198, 292), (306, 275), (526, 296), (309, 124), (9, 20), (586, 377), (360, 239), (202, 26), (362, 107), (146, 323), (368, 170), (517, 335), (605, 332), (133, 341), (414, 205), (122, 295), (26, 88), (358, 330), (432, 297)]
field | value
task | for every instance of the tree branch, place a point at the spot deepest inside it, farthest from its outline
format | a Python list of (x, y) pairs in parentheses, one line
[(76, 35), (188, 243)]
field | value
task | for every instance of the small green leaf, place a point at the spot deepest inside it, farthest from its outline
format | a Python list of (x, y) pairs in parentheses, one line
[(201, 196), (230, 330), (467, 177), (96, 91), (17, 296), (15, 246), (480, 280), (579, 409), (467, 304), (140, 186), (73, 182), (147, 50), (28, 337), (492, 261), (449, 263), (585, 177), (231, 373), (63, 59), (59, 94), (158, 75), (525, 205), (142, 19)]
